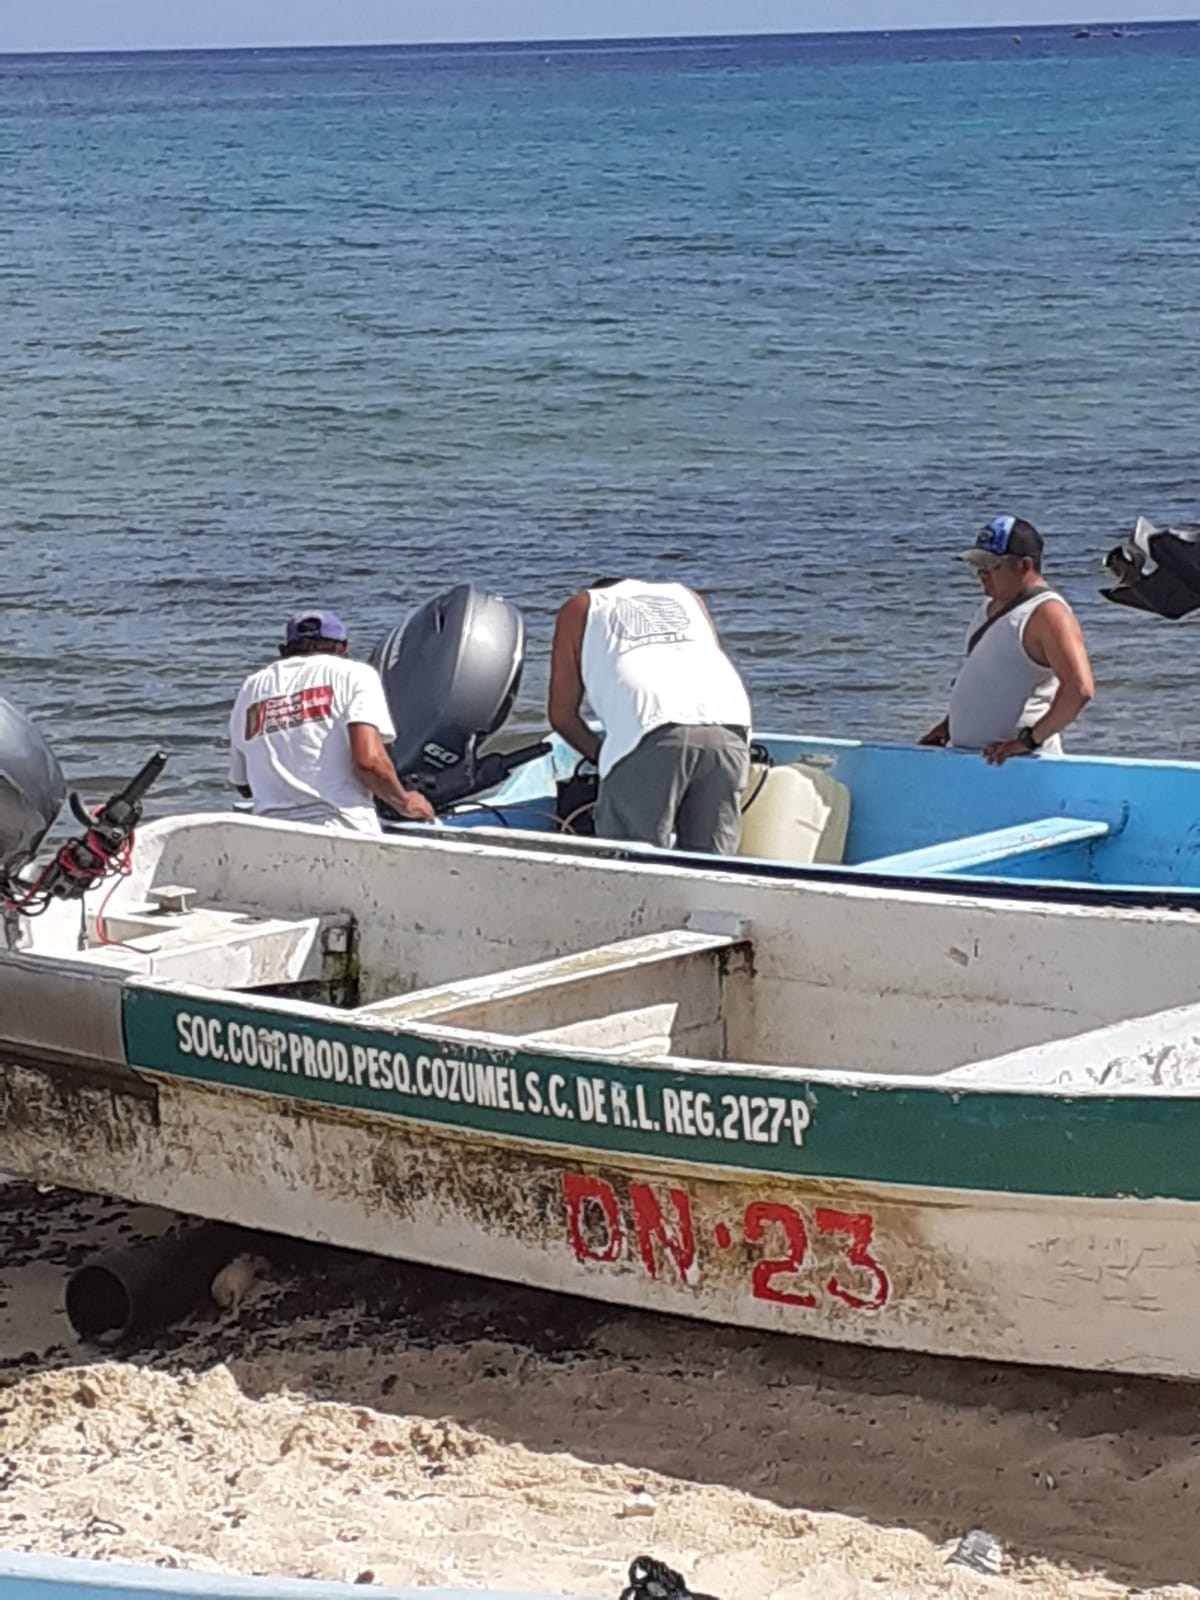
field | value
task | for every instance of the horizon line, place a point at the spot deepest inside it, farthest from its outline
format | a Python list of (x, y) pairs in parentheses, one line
[(600, 40)]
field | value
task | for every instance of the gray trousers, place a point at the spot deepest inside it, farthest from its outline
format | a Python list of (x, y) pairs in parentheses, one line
[(682, 781)]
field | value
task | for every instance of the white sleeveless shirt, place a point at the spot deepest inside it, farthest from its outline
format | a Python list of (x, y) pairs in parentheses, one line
[(650, 657), (1000, 688)]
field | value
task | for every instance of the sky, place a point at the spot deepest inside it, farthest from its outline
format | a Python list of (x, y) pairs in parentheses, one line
[(188, 24)]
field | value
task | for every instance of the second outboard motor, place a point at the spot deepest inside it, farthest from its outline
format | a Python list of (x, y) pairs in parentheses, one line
[(32, 788), (451, 675), (1157, 570)]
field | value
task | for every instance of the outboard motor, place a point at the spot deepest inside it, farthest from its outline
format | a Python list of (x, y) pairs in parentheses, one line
[(32, 791), (1157, 570), (451, 674), (32, 788)]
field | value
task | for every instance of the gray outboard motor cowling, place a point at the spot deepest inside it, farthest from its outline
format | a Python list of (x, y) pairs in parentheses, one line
[(451, 675), (32, 788)]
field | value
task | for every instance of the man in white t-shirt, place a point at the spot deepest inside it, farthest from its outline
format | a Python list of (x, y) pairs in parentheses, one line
[(309, 733), (675, 753)]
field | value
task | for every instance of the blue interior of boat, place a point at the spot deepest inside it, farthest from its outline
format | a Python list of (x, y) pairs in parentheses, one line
[(38, 1577), (918, 813)]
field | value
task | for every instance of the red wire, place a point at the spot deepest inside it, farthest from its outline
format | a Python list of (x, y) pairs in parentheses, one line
[(116, 864), (124, 866)]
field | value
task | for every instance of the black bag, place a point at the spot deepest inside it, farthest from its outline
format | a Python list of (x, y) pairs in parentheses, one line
[(576, 801), (654, 1580)]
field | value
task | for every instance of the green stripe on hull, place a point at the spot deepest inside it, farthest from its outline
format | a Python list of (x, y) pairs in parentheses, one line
[(1022, 1143)]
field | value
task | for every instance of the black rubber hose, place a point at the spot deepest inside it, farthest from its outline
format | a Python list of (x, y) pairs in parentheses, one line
[(147, 1286)]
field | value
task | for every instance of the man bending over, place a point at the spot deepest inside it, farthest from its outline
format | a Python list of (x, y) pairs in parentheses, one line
[(675, 751)]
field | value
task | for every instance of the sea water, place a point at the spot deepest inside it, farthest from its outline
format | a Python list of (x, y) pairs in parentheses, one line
[(787, 319)]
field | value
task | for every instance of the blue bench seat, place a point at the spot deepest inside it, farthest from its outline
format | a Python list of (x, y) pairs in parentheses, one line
[(987, 850)]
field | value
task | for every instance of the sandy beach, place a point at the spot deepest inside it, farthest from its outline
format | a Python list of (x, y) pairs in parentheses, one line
[(356, 1419)]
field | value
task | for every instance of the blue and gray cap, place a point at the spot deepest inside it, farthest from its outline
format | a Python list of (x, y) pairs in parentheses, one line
[(1003, 538)]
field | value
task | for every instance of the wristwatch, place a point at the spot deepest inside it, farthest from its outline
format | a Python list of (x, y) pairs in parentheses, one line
[(1027, 737)]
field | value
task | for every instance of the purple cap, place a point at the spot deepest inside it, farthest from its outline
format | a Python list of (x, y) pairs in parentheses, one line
[(316, 625)]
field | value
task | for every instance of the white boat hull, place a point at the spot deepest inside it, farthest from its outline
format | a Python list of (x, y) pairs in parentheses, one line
[(1092, 1283), (1009, 1173)]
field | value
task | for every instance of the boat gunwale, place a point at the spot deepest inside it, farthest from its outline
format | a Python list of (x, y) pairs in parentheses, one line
[(1091, 1142), (955, 889), (433, 1033)]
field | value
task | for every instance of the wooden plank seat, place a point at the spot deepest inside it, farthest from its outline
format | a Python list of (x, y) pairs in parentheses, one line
[(634, 996), (1043, 836)]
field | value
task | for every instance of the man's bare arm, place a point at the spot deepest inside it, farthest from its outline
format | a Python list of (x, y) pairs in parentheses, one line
[(1053, 637), (565, 701), (374, 766)]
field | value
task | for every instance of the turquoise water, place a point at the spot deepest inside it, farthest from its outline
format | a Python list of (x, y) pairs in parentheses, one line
[(785, 318)]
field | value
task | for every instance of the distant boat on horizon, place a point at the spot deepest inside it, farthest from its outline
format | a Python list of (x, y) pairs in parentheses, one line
[(1116, 33)]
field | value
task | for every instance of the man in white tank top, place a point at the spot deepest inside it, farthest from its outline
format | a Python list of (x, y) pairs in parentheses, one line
[(1026, 675), (674, 756)]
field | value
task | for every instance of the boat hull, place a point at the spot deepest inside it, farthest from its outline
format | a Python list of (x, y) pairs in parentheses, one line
[(1092, 1282), (1087, 830), (939, 1125)]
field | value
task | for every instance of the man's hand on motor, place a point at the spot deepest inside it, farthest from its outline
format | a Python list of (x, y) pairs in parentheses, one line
[(416, 807)]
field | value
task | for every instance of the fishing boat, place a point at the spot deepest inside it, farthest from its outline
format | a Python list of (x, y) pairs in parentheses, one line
[(33, 1577), (893, 1103), (910, 1119), (1077, 829), (1082, 829)]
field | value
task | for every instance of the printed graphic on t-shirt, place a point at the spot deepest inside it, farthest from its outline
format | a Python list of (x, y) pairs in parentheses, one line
[(284, 711), (650, 619)]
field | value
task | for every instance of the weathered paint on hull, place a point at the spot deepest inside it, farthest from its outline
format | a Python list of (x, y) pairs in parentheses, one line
[(1095, 1283)]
